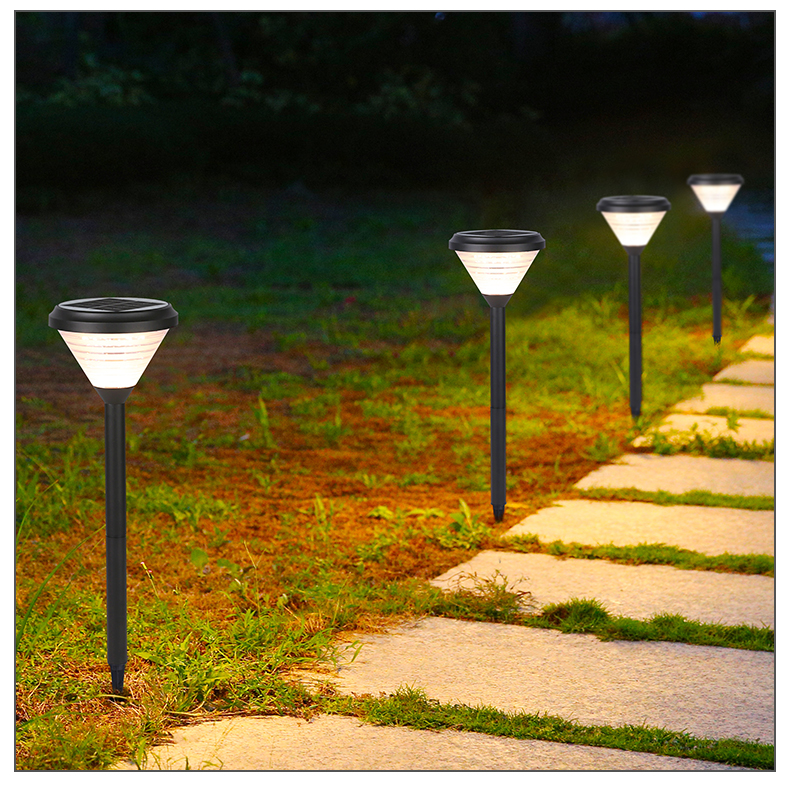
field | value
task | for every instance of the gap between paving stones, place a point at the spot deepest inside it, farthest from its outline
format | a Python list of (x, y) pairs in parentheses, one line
[(338, 743), (678, 427), (638, 592), (710, 692), (739, 398), (759, 344), (752, 371), (681, 473)]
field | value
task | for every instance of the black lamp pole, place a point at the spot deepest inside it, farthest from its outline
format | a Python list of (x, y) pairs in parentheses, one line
[(715, 223), (108, 338), (715, 192), (498, 413), (115, 529), (633, 220), (497, 260), (635, 329)]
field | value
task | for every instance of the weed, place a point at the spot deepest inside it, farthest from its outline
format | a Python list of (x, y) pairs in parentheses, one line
[(199, 559), (373, 480), (737, 311), (604, 448), (465, 531), (161, 498), (418, 438), (266, 480), (323, 512), (183, 451), (705, 443), (25, 618), (411, 479), (483, 599), (262, 418)]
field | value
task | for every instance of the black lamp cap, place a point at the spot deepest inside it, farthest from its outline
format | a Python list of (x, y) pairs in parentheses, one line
[(633, 204), (113, 315), (497, 240), (715, 179)]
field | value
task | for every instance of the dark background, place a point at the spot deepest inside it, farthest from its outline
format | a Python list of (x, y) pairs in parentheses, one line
[(481, 102)]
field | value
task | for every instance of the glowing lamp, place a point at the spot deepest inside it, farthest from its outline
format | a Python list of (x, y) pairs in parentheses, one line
[(633, 220), (497, 260), (113, 340), (715, 192)]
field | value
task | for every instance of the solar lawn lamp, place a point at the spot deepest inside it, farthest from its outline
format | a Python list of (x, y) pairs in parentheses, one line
[(113, 340), (497, 260), (633, 220), (715, 192)]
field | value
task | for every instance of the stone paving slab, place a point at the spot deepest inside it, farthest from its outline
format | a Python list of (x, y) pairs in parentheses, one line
[(339, 743), (752, 371), (759, 344), (712, 692), (639, 592), (680, 473), (708, 530), (681, 426), (733, 396)]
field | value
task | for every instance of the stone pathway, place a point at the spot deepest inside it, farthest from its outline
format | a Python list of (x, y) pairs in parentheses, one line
[(711, 692)]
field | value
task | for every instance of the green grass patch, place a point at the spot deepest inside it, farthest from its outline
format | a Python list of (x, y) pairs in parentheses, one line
[(493, 600), (694, 497), (745, 564), (410, 707), (705, 443), (726, 411), (589, 616)]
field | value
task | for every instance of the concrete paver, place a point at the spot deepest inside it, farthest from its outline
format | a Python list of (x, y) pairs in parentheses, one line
[(678, 427), (759, 344), (752, 371), (712, 692), (639, 592), (680, 473), (737, 397), (705, 529), (339, 743)]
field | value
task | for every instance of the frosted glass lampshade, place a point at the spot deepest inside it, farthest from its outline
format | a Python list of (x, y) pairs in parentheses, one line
[(497, 259), (113, 339), (114, 361), (634, 229), (497, 273), (633, 219), (715, 191)]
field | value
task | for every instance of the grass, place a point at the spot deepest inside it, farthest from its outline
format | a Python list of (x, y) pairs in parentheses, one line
[(745, 564), (694, 497), (588, 616), (492, 599), (410, 707), (309, 447), (705, 443), (725, 411)]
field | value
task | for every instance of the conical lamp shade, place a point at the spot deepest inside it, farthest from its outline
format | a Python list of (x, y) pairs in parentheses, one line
[(715, 198), (114, 361), (634, 229), (497, 273)]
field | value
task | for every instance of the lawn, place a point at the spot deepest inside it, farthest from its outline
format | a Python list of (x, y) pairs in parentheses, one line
[(310, 445)]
